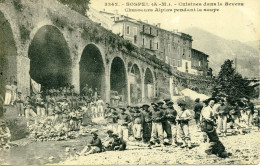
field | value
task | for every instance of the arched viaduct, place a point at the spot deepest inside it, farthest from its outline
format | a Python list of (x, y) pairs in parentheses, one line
[(54, 45)]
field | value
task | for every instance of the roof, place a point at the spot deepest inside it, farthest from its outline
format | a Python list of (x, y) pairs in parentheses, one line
[(200, 52)]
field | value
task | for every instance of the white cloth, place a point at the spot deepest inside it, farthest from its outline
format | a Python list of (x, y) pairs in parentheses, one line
[(208, 113), (36, 88)]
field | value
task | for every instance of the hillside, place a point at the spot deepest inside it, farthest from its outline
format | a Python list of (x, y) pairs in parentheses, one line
[(221, 49)]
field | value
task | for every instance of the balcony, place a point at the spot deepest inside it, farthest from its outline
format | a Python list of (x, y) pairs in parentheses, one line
[(147, 34)]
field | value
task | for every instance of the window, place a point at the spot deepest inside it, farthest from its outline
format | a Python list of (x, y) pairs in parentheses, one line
[(174, 62), (143, 28), (128, 30), (135, 30), (143, 41), (135, 39), (157, 32), (199, 63), (166, 59), (171, 62), (179, 63), (179, 50), (186, 67), (150, 30), (183, 53), (169, 47), (151, 44), (157, 45)]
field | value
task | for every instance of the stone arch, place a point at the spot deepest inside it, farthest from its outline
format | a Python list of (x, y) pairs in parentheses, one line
[(118, 79), (135, 81), (149, 83), (92, 69), (49, 53), (8, 52)]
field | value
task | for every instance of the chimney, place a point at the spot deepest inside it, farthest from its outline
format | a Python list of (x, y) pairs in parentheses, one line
[(158, 25), (115, 11)]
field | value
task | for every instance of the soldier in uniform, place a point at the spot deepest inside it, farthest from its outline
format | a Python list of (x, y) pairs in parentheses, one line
[(123, 121), (222, 112), (20, 104), (112, 118), (107, 142), (197, 110), (183, 117), (157, 129), (100, 106), (171, 114), (208, 121), (138, 121), (147, 125)]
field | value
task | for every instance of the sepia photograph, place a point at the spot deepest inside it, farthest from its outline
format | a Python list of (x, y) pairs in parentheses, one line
[(129, 82)]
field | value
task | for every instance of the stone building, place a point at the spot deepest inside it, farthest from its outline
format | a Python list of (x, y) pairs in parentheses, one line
[(199, 62), (173, 47)]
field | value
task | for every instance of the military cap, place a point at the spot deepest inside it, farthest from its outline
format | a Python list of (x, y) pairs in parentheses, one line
[(181, 103), (160, 102), (145, 105), (115, 135), (109, 131), (197, 100), (169, 102), (94, 133), (122, 108)]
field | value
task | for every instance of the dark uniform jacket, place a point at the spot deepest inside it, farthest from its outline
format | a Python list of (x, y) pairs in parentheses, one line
[(158, 116), (171, 114)]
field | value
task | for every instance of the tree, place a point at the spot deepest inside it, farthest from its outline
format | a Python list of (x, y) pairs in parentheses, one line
[(230, 84), (78, 5)]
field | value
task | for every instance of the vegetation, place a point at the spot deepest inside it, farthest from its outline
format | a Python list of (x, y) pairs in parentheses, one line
[(80, 6), (231, 84)]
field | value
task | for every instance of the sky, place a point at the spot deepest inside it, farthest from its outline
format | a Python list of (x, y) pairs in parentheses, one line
[(240, 23)]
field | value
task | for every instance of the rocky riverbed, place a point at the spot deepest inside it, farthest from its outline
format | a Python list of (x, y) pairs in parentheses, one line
[(245, 149)]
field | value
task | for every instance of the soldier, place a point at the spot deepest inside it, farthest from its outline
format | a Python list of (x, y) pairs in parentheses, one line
[(208, 121), (183, 118), (165, 124), (118, 143), (235, 114), (112, 118), (138, 121), (100, 107), (95, 145), (222, 113), (14, 92), (131, 123), (123, 121), (85, 90), (147, 125), (28, 108), (157, 129), (107, 142), (20, 104), (8, 93), (40, 106), (197, 110), (171, 114)]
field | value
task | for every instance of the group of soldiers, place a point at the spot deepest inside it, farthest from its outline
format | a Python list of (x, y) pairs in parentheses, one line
[(61, 104), (159, 124), (148, 122)]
